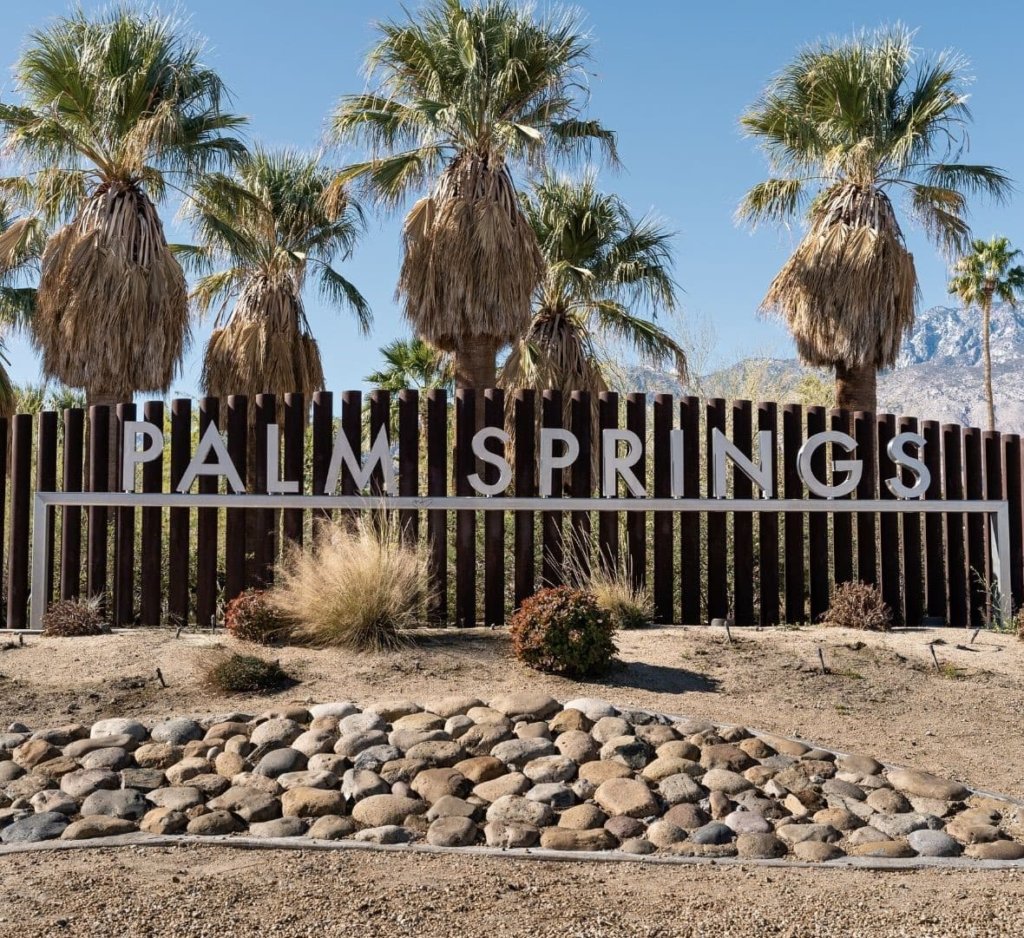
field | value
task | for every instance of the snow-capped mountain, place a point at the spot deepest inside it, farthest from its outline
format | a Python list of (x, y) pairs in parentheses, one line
[(938, 375)]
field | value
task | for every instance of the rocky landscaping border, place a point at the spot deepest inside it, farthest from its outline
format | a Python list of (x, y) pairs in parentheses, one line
[(523, 777)]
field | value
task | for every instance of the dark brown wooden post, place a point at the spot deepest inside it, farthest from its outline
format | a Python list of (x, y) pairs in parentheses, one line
[(1012, 485), (151, 547), (235, 518), (664, 542), (21, 507), (690, 575), (977, 554), (793, 522), (465, 521), (913, 568), (718, 584), (294, 463), (178, 550), (124, 538), (525, 417), (934, 548), (768, 523), (552, 541), (264, 551), (956, 547), (842, 524), (99, 476), (581, 422), (380, 419), (46, 481), (437, 485), (743, 521), (888, 523), (607, 521), (494, 521), (867, 528), (636, 522), (206, 527), (409, 460), (71, 527), (352, 427), (992, 446), (817, 525), (323, 444)]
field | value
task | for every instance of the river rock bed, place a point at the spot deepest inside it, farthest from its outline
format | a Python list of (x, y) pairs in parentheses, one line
[(523, 771)]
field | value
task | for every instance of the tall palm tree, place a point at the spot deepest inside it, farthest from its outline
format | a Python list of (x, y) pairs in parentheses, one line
[(263, 231), (604, 269), (461, 95), (846, 126), (114, 110), (411, 363), (979, 277), (21, 242)]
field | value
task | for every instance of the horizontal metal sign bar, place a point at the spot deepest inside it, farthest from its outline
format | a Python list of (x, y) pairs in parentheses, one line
[(510, 503)]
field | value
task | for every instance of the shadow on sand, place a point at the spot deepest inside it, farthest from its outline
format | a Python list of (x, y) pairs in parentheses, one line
[(660, 678)]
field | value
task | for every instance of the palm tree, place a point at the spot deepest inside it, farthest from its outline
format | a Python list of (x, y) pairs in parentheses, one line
[(845, 126), (601, 265), (115, 109), (263, 231), (411, 363), (461, 95), (21, 242), (983, 274)]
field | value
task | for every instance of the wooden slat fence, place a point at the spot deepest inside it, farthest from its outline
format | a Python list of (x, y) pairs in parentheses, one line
[(170, 566)]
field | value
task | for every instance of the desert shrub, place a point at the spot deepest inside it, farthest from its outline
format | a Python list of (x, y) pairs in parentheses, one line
[(251, 617), (360, 586), (562, 630), (630, 606), (241, 674), (1018, 623), (858, 606), (73, 618)]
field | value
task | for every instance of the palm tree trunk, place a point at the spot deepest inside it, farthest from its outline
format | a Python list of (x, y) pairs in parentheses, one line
[(986, 338), (476, 368), (856, 387)]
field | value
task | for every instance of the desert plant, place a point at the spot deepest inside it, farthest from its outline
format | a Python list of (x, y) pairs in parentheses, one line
[(846, 126), (562, 630), (858, 605), (462, 94), (243, 674), (1018, 623), (251, 617), (74, 618), (612, 584), (115, 108), (978, 277), (360, 586)]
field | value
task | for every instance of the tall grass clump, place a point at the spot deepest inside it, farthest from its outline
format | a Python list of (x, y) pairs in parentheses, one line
[(359, 587), (630, 605), (857, 605)]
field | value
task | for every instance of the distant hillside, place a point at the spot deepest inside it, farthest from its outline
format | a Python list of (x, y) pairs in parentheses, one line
[(938, 375)]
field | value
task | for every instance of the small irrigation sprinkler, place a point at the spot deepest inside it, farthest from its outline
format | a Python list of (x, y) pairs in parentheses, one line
[(821, 660), (935, 657), (160, 677)]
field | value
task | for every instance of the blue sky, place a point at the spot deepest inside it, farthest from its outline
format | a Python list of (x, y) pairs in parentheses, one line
[(670, 78)]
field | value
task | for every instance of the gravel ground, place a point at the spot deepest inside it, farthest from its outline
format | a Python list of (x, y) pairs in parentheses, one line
[(881, 696), (214, 891)]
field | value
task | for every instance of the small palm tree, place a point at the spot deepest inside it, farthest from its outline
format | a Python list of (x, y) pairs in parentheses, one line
[(265, 230), (21, 242), (412, 363), (845, 126), (114, 110), (462, 94), (979, 277), (602, 265)]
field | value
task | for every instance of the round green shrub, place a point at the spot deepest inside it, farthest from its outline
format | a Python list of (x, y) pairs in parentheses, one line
[(240, 674), (563, 631), (252, 618)]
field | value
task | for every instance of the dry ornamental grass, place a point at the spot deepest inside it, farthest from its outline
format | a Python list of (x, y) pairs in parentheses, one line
[(359, 587)]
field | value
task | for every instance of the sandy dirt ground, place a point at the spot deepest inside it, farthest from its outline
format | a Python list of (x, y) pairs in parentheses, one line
[(882, 695)]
